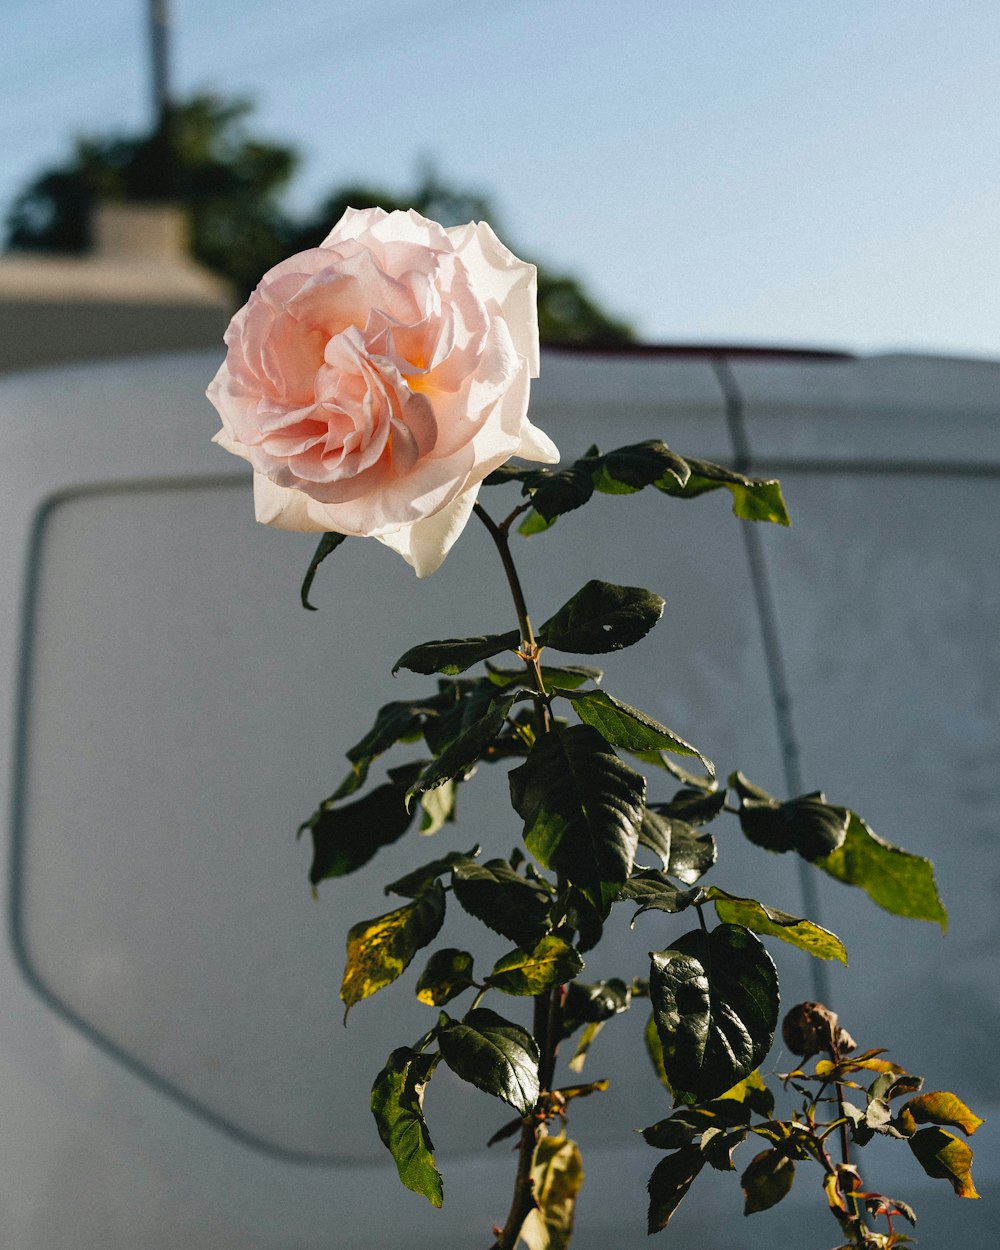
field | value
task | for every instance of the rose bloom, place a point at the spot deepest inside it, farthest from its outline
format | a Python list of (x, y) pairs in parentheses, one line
[(374, 381)]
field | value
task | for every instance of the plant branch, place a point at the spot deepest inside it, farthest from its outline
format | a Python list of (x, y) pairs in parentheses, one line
[(529, 648)]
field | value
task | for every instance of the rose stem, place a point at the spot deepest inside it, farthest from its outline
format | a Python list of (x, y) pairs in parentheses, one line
[(546, 1004)]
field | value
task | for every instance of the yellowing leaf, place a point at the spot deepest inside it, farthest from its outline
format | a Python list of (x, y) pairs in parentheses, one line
[(804, 934), (938, 1107), (379, 950), (942, 1155), (557, 1174)]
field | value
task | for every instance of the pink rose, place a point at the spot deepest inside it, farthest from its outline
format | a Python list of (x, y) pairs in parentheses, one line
[(374, 381)]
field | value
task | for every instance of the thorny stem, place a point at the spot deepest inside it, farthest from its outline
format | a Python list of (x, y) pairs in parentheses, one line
[(547, 1005), (529, 648)]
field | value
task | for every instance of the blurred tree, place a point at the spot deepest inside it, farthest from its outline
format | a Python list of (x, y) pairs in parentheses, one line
[(232, 184), (203, 158), (566, 313)]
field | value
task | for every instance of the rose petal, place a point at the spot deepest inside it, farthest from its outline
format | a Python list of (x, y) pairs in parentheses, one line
[(425, 544)]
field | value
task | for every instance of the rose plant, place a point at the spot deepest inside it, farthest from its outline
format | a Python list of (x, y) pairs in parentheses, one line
[(375, 384)]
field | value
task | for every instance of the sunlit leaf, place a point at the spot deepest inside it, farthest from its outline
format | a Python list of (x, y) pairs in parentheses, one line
[(625, 726), (397, 1098), (938, 1107), (897, 881), (754, 499), (380, 950), (556, 1176), (771, 922), (654, 1049), (552, 962), (494, 1054), (447, 974), (438, 807), (944, 1156)]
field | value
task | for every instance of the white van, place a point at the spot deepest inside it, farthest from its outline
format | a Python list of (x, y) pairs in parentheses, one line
[(174, 1071)]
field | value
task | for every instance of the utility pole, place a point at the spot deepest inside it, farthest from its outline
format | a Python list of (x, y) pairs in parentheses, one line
[(159, 31), (159, 46)]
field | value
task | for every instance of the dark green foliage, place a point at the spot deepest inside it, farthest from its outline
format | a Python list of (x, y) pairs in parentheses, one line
[(581, 806), (808, 824), (601, 618), (715, 1003), (455, 655), (329, 542), (503, 901), (346, 837), (397, 1098), (494, 1054), (713, 992)]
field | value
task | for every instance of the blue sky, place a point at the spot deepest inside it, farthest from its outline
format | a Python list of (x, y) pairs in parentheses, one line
[(804, 172)]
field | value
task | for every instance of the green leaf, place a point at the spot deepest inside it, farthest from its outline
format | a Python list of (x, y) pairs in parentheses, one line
[(807, 824), (625, 726), (602, 617), (628, 469), (438, 807), (395, 722), (563, 491), (448, 973), (569, 676), (463, 753), (328, 543), (380, 950), (419, 879), (552, 962), (693, 806), (556, 1177), (754, 499), (753, 1094), (766, 1181), (581, 806), (944, 1156), (654, 1049), (692, 854), (534, 523), (514, 473), (455, 655), (503, 901), (715, 1002), (653, 891), (672, 1177), (592, 1003), (397, 1105), (938, 1107), (346, 837), (804, 934), (494, 1054), (897, 881), (654, 833)]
